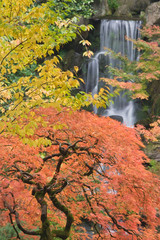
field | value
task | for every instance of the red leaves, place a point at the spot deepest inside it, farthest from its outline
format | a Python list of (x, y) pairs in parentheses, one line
[(151, 31), (95, 167)]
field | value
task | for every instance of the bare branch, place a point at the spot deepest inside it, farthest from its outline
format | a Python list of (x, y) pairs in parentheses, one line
[(10, 215), (14, 212), (92, 210), (131, 232), (57, 188), (34, 233), (51, 156)]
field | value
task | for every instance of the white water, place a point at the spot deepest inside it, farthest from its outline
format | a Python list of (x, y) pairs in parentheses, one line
[(113, 35)]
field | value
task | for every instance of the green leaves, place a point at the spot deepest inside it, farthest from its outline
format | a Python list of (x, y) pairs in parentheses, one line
[(71, 8), (113, 5)]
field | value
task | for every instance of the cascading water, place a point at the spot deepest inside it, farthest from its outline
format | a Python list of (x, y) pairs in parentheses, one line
[(113, 35)]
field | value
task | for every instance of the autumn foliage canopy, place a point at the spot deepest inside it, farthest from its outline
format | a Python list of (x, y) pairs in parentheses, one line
[(62, 169), (90, 170)]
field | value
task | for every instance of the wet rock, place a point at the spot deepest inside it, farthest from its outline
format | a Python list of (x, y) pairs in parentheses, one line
[(117, 117)]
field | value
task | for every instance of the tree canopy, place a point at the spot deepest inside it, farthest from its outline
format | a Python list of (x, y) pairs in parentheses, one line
[(31, 36), (61, 166), (91, 169)]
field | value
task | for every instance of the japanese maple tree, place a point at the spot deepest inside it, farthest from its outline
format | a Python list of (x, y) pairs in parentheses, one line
[(83, 167)]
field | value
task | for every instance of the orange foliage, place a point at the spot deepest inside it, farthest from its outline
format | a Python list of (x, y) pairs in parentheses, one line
[(93, 167), (124, 85), (151, 134)]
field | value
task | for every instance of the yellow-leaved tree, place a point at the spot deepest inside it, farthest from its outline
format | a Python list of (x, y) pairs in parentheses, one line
[(92, 169), (30, 32)]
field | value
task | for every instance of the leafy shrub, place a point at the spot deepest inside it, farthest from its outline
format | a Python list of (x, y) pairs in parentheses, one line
[(71, 8), (113, 5)]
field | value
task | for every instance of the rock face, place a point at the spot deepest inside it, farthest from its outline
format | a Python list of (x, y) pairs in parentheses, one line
[(100, 8), (134, 7), (128, 9), (153, 14), (117, 117), (153, 151), (125, 8)]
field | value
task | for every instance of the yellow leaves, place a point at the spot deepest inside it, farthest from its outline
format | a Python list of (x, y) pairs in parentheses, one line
[(85, 42), (95, 96), (3, 70), (37, 143), (88, 54), (69, 74), (59, 126), (57, 48), (86, 27), (18, 95), (29, 129), (102, 90), (62, 23), (14, 69), (29, 33), (15, 43), (76, 69), (17, 33), (81, 80), (73, 83), (4, 93)]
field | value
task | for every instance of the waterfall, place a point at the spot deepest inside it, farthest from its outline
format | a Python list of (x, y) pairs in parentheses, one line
[(113, 35)]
